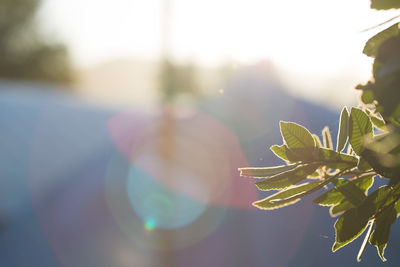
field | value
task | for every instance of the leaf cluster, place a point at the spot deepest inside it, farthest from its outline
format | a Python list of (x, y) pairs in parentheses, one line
[(367, 147), (342, 176)]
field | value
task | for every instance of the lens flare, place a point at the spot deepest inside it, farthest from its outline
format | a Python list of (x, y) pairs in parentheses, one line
[(168, 208), (155, 204), (150, 224)]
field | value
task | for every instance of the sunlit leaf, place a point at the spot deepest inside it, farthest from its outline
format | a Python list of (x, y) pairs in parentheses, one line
[(380, 196), (350, 191), (329, 198), (364, 183), (292, 155), (269, 204), (286, 154), (372, 46), (343, 130), (287, 178), (280, 151), (359, 127), (380, 236), (263, 172), (335, 160), (327, 138), (296, 136), (354, 221), (349, 226), (335, 197), (340, 208), (317, 140), (321, 184), (377, 121)]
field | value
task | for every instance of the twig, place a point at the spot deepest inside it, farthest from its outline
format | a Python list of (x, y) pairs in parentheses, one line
[(380, 24)]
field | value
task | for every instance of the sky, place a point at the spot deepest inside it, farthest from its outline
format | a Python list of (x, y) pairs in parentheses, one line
[(308, 37)]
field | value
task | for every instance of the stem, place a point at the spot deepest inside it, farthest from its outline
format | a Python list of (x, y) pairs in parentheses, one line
[(380, 24), (361, 174), (366, 238)]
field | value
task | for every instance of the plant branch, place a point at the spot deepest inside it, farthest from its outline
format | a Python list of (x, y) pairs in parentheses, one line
[(380, 24)]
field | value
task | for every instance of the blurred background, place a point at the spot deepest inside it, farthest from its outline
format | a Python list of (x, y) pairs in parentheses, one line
[(123, 123)]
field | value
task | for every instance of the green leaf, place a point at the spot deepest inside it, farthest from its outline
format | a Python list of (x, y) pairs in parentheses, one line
[(372, 45), (334, 197), (286, 154), (360, 127), (335, 160), (383, 154), (343, 130), (329, 198), (378, 199), (280, 151), (314, 189), (327, 138), (265, 172), (364, 183), (296, 136), (349, 226), (367, 97), (380, 236), (269, 203), (354, 221), (378, 122), (340, 208), (317, 140), (288, 178), (350, 191), (397, 207), (385, 4), (363, 165)]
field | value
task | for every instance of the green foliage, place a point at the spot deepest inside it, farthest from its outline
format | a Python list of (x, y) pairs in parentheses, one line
[(385, 4), (297, 138), (381, 92), (380, 236), (371, 48), (350, 174), (343, 130), (287, 178), (284, 197), (327, 138), (266, 172), (360, 127), (343, 179)]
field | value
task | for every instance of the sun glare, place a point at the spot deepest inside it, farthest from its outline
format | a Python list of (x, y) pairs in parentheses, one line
[(296, 34)]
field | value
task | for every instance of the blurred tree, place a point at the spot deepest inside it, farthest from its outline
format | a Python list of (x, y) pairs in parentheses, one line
[(24, 53), (177, 80)]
